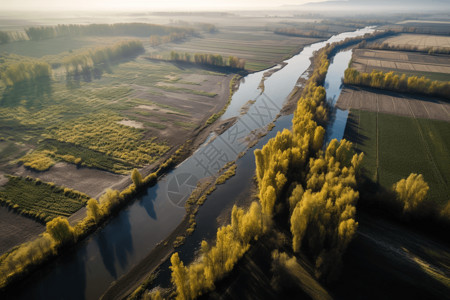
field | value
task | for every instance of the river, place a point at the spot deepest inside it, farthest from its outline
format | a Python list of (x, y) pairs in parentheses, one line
[(89, 269)]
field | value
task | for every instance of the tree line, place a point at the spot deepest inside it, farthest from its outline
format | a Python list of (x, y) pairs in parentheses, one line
[(411, 48), (398, 83), (422, 30), (208, 59), (25, 71), (12, 36), (118, 29), (4, 37), (301, 33), (156, 40), (99, 58)]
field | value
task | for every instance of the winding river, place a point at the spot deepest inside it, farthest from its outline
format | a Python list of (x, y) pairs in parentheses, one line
[(88, 270)]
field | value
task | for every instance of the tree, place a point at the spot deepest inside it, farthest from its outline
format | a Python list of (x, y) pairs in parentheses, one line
[(179, 277), (109, 200), (94, 210), (412, 192), (136, 177), (60, 230)]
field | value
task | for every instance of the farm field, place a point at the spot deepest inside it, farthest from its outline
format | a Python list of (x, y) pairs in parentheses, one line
[(421, 41), (393, 103), (396, 146), (16, 229), (40, 200), (435, 67), (260, 48)]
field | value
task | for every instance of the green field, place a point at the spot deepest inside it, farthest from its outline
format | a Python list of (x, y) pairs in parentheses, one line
[(405, 145), (43, 201)]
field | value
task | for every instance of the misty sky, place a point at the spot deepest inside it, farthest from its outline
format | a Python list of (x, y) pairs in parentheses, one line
[(143, 4)]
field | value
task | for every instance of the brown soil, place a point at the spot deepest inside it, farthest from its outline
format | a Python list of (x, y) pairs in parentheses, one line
[(93, 182), (393, 103), (16, 229)]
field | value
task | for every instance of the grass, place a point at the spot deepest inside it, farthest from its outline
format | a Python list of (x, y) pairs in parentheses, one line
[(102, 132), (227, 174), (187, 91), (43, 201), (405, 145), (71, 152)]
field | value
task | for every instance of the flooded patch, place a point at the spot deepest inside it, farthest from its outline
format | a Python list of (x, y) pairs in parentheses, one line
[(131, 123)]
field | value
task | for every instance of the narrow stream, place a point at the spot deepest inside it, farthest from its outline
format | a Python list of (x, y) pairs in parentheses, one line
[(112, 251), (333, 86)]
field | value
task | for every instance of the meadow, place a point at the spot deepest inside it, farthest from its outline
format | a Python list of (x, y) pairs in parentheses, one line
[(395, 146)]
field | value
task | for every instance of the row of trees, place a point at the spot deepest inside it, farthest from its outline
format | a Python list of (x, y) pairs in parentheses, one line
[(119, 29), (12, 36), (156, 40), (208, 59), (412, 48), (317, 187), (395, 82), (232, 241), (101, 57), (423, 30), (25, 71), (291, 31)]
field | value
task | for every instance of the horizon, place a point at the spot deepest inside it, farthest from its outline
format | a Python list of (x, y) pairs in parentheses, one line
[(149, 6)]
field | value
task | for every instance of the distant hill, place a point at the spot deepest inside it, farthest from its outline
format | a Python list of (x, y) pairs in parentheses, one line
[(402, 5)]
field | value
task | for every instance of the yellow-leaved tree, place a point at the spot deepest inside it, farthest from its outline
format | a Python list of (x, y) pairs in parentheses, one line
[(412, 192)]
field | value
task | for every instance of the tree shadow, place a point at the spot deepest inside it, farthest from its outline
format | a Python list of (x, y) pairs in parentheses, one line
[(352, 132), (115, 243), (148, 201), (63, 278), (29, 93)]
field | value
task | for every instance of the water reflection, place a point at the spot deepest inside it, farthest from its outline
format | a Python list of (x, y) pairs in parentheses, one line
[(116, 247), (333, 86), (148, 204)]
